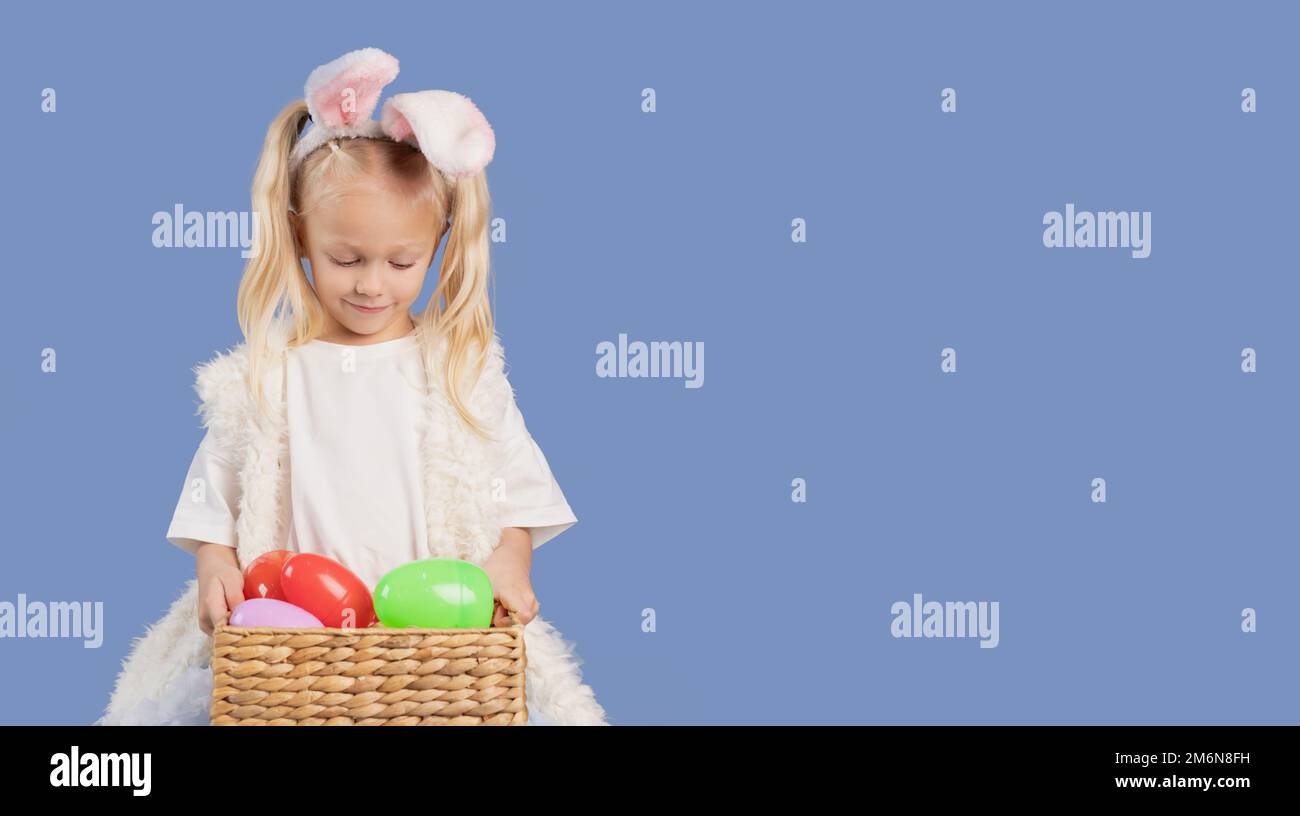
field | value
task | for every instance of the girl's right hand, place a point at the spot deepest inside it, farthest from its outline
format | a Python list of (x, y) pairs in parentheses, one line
[(221, 584)]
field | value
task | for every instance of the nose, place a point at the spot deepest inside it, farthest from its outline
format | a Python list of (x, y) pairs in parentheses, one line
[(370, 281)]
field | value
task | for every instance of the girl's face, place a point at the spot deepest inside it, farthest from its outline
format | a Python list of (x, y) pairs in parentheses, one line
[(369, 252)]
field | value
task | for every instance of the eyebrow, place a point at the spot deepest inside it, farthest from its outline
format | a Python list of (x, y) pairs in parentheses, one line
[(409, 247)]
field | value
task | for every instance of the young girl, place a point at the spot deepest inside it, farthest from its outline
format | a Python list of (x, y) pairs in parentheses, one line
[(344, 424)]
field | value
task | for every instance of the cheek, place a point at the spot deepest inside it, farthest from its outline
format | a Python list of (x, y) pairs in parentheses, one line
[(409, 288), (326, 276)]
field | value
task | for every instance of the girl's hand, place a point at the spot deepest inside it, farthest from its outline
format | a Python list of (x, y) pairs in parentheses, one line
[(517, 598), (508, 567), (221, 583)]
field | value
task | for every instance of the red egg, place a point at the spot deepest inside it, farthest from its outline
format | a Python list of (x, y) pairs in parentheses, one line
[(328, 590), (262, 576)]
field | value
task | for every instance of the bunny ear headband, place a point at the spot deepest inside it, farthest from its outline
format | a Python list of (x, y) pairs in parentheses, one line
[(341, 96)]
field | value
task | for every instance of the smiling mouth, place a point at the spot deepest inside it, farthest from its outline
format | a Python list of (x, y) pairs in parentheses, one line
[(366, 309)]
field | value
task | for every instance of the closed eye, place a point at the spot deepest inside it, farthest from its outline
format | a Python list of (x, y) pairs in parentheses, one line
[(345, 263), (403, 266)]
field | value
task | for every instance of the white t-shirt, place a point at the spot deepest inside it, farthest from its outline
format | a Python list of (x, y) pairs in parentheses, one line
[(355, 418)]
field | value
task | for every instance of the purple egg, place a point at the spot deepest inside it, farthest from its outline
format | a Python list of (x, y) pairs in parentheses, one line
[(274, 613)]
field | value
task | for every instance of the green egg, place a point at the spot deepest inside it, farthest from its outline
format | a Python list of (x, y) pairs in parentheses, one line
[(436, 593)]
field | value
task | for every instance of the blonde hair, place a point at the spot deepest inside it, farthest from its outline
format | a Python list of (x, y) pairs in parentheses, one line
[(459, 311)]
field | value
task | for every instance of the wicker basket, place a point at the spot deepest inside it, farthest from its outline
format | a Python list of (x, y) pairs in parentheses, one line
[(373, 676)]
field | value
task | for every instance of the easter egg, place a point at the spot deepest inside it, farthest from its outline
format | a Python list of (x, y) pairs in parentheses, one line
[(435, 593), (271, 612), (262, 576), (328, 590)]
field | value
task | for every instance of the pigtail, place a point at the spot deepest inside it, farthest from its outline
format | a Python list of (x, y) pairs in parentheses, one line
[(274, 277), (460, 309)]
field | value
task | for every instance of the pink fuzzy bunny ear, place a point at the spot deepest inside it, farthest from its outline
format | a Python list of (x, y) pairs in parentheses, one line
[(343, 92), (449, 129)]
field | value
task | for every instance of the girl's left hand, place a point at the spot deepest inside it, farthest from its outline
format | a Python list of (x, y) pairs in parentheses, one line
[(516, 596), (512, 588)]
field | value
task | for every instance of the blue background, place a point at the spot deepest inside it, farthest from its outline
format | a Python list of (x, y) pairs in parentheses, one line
[(822, 359)]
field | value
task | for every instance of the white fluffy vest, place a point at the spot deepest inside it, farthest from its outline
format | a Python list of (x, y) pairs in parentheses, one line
[(458, 469)]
